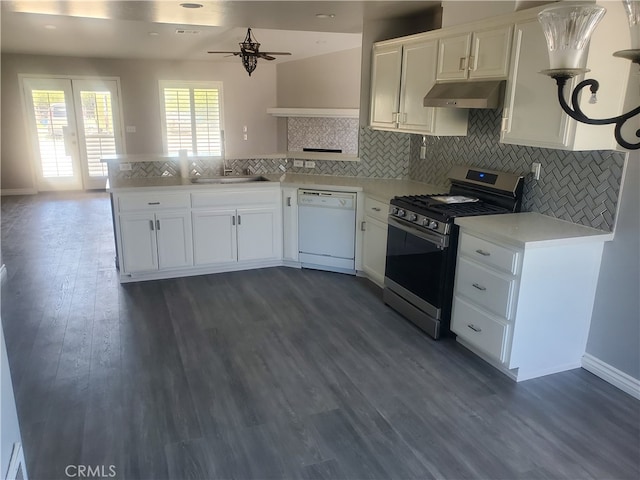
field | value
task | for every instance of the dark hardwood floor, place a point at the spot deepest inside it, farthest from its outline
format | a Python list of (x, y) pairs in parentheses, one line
[(273, 373)]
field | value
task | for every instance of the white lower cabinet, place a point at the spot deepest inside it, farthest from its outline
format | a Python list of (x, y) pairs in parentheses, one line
[(290, 224), (374, 239), (212, 231), (525, 309), (155, 241)]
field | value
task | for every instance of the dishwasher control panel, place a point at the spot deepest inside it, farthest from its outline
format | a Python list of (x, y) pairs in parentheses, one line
[(327, 199)]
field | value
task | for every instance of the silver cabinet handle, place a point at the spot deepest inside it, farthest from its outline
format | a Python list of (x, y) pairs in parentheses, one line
[(463, 63), (472, 65), (483, 253), (474, 328), (153, 203), (151, 224), (157, 224), (233, 220), (479, 287), (239, 220), (288, 201), (362, 226), (375, 209)]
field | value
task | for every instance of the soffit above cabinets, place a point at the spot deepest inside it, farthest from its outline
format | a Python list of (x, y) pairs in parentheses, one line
[(315, 112)]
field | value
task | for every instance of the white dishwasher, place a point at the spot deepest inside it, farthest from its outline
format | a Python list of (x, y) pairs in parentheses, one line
[(327, 230)]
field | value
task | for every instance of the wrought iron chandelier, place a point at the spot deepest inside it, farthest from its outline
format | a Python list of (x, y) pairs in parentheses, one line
[(568, 29)]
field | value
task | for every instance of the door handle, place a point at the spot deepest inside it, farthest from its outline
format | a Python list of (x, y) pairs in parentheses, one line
[(157, 224), (288, 201), (474, 328), (479, 287), (151, 224), (239, 220), (483, 253), (463, 63), (363, 226), (233, 220)]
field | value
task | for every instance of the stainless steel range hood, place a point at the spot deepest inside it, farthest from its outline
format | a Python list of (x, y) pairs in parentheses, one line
[(466, 95)]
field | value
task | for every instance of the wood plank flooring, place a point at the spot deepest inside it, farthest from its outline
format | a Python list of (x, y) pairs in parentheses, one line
[(268, 374)]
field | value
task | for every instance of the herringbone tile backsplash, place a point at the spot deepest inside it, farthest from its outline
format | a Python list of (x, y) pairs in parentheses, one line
[(581, 187)]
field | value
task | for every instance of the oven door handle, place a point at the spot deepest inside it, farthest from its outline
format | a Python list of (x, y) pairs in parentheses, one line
[(440, 241)]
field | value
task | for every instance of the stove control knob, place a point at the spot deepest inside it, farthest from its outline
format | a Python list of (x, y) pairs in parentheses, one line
[(394, 210), (433, 225), (412, 217), (401, 213)]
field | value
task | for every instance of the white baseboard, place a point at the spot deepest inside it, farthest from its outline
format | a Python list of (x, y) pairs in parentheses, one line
[(18, 191), (612, 375)]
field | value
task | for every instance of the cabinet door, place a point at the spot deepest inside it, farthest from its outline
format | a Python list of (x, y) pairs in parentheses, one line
[(385, 85), (290, 223), (453, 57), (374, 249), (532, 115), (173, 232), (490, 53), (138, 241), (257, 238), (214, 236), (418, 76)]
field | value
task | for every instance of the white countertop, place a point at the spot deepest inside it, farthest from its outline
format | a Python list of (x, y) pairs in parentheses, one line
[(532, 230), (378, 188)]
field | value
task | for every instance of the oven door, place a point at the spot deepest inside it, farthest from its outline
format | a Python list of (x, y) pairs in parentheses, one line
[(416, 265)]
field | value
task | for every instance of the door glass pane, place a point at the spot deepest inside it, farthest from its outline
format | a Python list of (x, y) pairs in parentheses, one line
[(51, 121), (99, 132)]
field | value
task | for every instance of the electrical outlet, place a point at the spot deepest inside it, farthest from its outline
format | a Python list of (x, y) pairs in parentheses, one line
[(535, 170), (131, 129), (309, 164), (298, 163), (245, 137), (124, 167)]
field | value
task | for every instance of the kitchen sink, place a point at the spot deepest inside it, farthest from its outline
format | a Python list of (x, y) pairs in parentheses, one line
[(230, 179)]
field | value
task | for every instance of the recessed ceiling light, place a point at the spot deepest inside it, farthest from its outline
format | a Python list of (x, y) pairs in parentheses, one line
[(191, 5), (325, 15), (153, 34), (50, 27)]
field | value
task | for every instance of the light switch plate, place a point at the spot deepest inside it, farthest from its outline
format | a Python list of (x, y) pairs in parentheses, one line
[(124, 167)]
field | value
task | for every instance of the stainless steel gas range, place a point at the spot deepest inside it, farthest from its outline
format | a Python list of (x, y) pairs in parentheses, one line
[(422, 242)]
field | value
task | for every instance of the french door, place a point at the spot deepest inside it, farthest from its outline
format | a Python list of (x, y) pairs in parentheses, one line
[(73, 123)]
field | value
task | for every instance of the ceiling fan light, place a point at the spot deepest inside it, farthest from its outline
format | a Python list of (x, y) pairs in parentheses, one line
[(632, 8), (250, 62)]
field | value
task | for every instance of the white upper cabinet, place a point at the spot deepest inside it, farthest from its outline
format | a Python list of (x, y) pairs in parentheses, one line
[(482, 54), (532, 115), (403, 72), (385, 85)]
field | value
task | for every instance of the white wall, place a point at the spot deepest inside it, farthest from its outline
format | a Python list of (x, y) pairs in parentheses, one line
[(325, 81), (246, 100)]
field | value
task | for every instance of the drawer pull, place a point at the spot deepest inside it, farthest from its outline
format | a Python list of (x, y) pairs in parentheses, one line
[(479, 287), (483, 253), (153, 203), (375, 209), (474, 328)]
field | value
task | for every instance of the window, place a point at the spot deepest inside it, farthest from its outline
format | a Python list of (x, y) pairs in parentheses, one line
[(192, 117)]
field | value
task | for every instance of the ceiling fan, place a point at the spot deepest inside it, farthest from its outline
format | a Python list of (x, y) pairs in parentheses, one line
[(249, 53)]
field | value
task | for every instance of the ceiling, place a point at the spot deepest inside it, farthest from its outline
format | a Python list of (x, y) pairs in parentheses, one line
[(147, 29)]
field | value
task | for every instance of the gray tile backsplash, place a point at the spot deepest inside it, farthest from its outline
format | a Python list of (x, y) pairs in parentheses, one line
[(320, 132), (581, 187)]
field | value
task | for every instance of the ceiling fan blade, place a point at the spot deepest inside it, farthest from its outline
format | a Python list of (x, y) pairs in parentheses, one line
[(265, 56), (234, 53), (276, 53)]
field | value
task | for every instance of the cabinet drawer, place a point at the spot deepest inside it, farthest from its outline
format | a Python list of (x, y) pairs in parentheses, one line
[(152, 201), (235, 198), (488, 289), (376, 209), (479, 329), (488, 253)]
